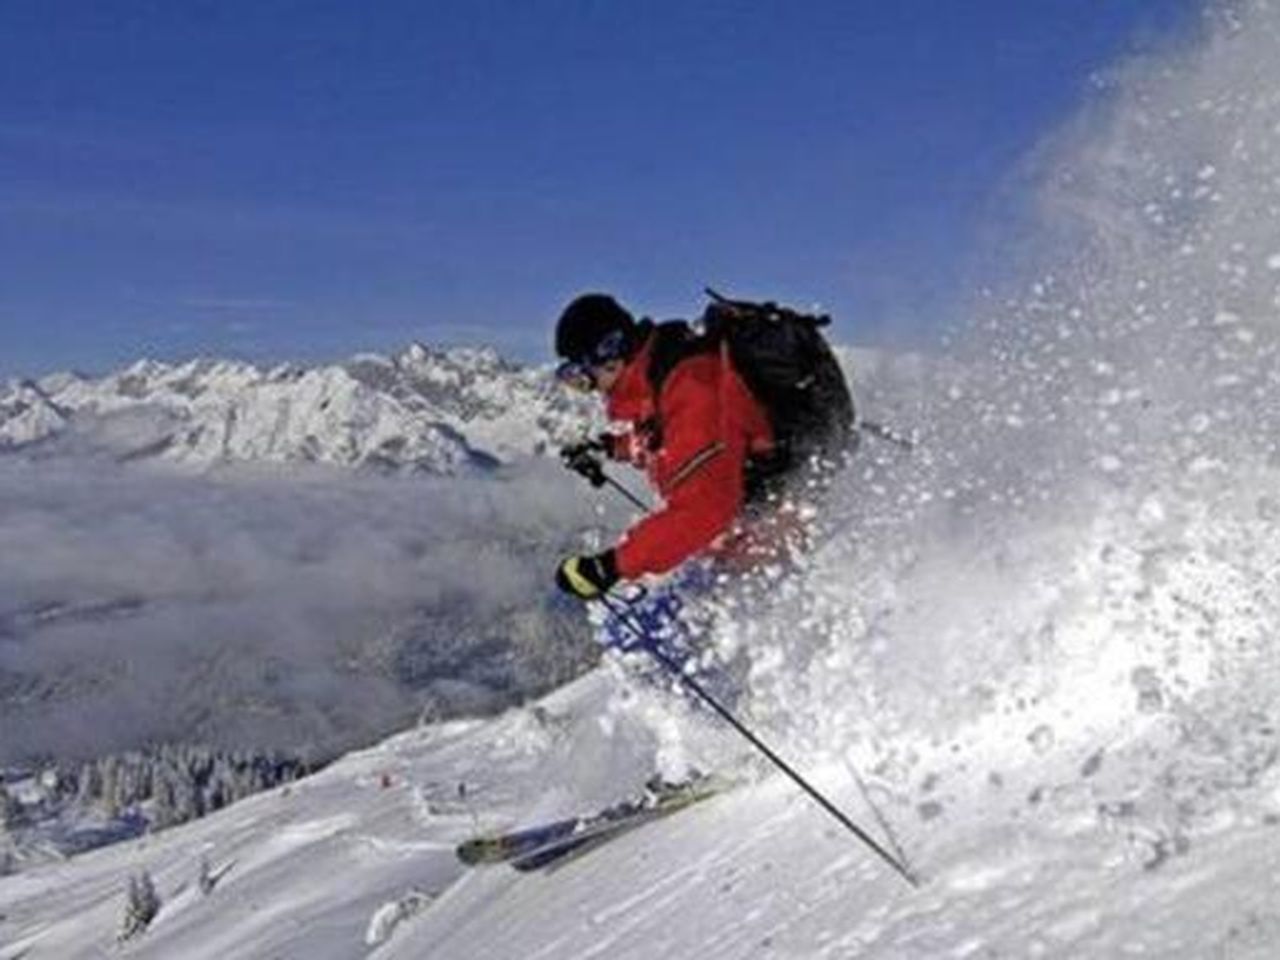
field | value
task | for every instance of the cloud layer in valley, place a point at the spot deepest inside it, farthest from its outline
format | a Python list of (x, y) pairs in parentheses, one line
[(307, 609)]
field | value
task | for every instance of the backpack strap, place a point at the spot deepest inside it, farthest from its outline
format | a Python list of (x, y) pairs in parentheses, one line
[(674, 341)]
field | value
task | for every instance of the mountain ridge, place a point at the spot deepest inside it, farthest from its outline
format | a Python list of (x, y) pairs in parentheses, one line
[(420, 409)]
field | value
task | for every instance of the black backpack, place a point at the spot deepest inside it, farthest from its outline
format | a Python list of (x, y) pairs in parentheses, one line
[(787, 365)]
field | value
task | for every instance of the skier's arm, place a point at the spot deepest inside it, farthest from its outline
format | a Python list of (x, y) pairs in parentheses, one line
[(699, 477)]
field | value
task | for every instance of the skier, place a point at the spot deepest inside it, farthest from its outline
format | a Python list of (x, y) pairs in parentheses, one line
[(693, 425), (723, 421)]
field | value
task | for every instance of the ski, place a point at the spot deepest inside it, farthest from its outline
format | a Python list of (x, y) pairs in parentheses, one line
[(596, 834), (498, 848), (532, 848)]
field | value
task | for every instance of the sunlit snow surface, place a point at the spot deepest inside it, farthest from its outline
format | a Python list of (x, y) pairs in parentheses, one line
[(317, 870), (1047, 640)]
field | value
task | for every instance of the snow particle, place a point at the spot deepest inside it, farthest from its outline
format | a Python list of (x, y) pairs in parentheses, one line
[(1042, 738), (1151, 513), (1092, 765), (1146, 682), (930, 810)]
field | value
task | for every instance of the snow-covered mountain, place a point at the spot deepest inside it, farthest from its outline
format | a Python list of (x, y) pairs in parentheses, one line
[(420, 409), (27, 414)]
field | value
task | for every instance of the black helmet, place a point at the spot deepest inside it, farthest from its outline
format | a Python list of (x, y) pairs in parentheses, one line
[(595, 328)]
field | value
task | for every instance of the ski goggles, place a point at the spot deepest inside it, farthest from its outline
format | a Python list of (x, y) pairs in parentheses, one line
[(576, 375), (580, 374)]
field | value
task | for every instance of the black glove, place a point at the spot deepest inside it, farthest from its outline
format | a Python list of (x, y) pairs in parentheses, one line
[(588, 578), (583, 458)]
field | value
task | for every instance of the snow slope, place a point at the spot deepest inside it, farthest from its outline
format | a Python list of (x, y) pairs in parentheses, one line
[(317, 870)]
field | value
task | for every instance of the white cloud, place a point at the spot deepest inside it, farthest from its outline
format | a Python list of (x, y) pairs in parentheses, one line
[(285, 608)]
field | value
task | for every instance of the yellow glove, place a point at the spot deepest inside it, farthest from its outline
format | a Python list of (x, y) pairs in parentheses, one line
[(588, 578)]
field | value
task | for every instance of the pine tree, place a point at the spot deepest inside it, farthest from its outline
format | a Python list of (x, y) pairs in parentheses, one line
[(90, 790), (163, 808), (110, 779), (141, 905), (10, 809), (205, 881)]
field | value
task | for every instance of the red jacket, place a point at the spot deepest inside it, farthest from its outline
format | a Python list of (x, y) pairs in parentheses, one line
[(693, 439)]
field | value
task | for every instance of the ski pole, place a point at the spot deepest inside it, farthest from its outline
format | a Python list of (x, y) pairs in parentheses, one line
[(580, 461), (644, 507), (888, 434), (619, 610)]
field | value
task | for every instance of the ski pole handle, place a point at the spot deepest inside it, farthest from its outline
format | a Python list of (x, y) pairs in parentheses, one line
[(581, 459)]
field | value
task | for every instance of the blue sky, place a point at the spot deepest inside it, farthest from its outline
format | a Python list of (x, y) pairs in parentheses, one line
[(287, 179)]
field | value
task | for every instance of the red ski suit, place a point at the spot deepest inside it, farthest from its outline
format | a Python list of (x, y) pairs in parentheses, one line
[(693, 439)]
